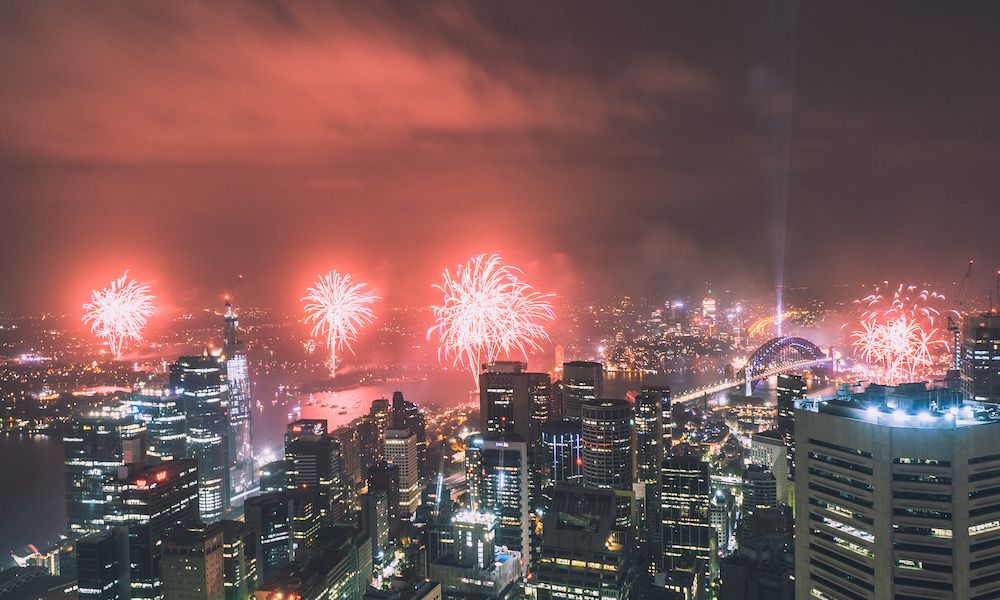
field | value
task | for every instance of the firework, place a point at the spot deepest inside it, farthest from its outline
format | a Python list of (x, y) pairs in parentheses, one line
[(118, 313), (488, 311), (899, 335), (337, 308)]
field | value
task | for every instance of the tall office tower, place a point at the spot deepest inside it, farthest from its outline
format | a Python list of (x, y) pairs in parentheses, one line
[(561, 456), (472, 566), (154, 500), (102, 565), (313, 458), (400, 449), (384, 478), (166, 424), (269, 517), (193, 564), (375, 519), (240, 408), (406, 415), (273, 477), (583, 381), (606, 436), (201, 382), (897, 503), (381, 420), (97, 446), (791, 388), (981, 357), (511, 400), (368, 444), (720, 515), (685, 510), (239, 559), (650, 440), (498, 472), (768, 450), (350, 463), (307, 518), (760, 491), (584, 553)]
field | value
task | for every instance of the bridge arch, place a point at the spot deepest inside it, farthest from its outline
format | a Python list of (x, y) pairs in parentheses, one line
[(771, 351)]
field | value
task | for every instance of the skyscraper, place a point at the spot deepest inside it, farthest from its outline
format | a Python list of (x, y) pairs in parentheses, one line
[(768, 450), (269, 517), (380, 416), (313, 457), (897, 502), (582, 381), (193, 564), (790, 389), (406, 415), (384, 478), (685, 510), (153, 500), (162, 410), (561, 457), (981, 358), (606, 435), (102, 567), (498, 473), (585, 553), (400, 449), (240, 406), (512, 400), (96, 447), (651, 438), (201, 383)]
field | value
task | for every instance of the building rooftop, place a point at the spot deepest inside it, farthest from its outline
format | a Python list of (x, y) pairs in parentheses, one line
[(954, 417)]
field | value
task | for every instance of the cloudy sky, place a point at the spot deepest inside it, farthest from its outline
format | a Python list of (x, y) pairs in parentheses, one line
[(647, 149)]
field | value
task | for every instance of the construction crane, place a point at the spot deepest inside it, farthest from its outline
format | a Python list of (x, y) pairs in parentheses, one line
[(955, 327)]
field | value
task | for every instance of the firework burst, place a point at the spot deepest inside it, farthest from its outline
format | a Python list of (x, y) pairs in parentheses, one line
[(488, 311), (119, 312), (337, 308), (899, 335)]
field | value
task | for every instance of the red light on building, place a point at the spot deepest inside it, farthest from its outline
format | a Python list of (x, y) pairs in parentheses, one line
[(140, 483), (161, 476)]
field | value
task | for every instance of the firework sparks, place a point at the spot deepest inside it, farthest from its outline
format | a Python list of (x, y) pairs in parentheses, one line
[(898, 335), (488, 311), (118, 313), (337, 308)]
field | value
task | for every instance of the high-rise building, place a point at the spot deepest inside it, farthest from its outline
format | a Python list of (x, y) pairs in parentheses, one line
[(685, 510), (102, 565), (561, 456), (193, 564), (474, 567), (269, 517), (896, 502), (273, 477), (350, 463), (384, 478), (768, 450), (406, 415), (760, 491), (400, 449), (498, 474), (512, 400), (584, 552), (201, 382), (154, 500), (583, 381), (375, 518), (790, 389), (313, 456), (162, 411), (380, 416), (239, 559), (980, 356), (651, 437), (606, 435), (97, 447), (240, 407), (338, 568)]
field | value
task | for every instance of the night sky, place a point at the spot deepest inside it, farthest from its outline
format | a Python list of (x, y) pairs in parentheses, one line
[(646, 149)]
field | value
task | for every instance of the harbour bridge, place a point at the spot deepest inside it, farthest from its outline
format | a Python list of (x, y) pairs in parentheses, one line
[(777, 355)]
